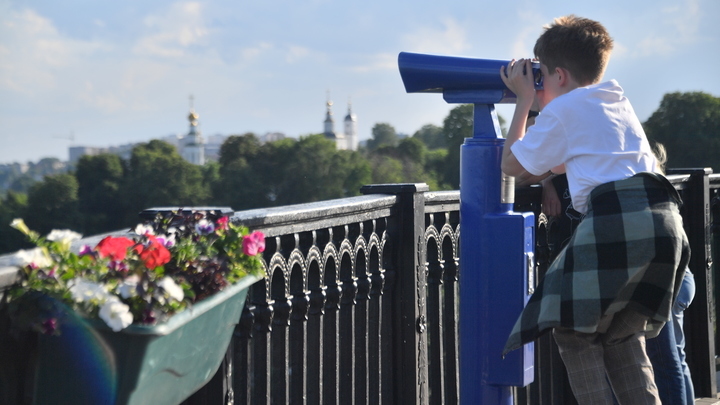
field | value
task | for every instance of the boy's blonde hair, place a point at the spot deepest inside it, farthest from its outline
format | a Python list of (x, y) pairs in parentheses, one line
[(580, 45)]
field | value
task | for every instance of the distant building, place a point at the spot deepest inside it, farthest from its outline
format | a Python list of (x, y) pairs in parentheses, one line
[(212, 147), (76, 152), (192, 146), (347, 140), (272, 137)]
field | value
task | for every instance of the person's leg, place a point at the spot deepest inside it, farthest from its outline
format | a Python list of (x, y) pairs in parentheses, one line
[(582, 354), (683, 300), (627, 364), (663, 354)]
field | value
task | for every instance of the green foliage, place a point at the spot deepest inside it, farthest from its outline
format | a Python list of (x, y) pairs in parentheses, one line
[(245, 168), (22, 183), (313, 173), (688, 125), (158, 176), (100, 180), (13, 205), (435, 167), (53, 204), (287, 172), (386, 169), (457, 126), (239, 149), (383, 134), (20, 177), (432, 136)]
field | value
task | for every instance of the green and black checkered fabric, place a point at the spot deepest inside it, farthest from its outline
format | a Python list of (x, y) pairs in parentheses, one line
[(629, 251)]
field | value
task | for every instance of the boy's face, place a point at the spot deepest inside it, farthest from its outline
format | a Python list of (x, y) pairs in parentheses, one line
[(551, 88)]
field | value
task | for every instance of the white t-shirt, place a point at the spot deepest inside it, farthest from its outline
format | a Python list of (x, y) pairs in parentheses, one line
[(595, 132)]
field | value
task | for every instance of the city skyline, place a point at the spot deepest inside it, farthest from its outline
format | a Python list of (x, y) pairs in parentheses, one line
[(83, 73)]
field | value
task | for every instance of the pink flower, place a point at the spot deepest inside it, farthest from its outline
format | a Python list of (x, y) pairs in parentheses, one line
[(49, 326), (254, 243), (222, 223)]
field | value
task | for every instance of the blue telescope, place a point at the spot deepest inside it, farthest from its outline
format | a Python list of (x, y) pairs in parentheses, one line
[(497, 244), (461, 80)]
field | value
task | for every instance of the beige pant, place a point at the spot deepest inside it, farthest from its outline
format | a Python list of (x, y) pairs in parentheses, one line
[(619, 354)]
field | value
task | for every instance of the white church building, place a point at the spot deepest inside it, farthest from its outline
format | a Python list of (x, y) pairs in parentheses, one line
[(347, 140)]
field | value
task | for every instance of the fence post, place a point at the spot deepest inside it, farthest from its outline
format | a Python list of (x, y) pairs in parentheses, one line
[(410, 370), (700, 316)]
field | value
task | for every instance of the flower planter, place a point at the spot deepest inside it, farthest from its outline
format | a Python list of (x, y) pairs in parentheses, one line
[(159, 364)]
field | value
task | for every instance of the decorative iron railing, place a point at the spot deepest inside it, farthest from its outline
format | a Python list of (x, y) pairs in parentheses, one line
[(360, 303)]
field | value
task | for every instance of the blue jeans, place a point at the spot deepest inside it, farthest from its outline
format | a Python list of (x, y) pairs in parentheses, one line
[(667, 352)]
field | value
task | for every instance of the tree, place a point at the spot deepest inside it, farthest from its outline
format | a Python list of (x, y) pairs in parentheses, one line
[(318, 171), (383, 134), (435, 167), (241, 184), (386, 169), (22, 183), (432, 136), (53, 204), (244, 147), (100, 179), (159, 176), (13, 205), (457, 126), (688, 125)]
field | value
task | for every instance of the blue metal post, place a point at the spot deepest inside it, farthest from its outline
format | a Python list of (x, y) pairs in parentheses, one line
[(496, 246)]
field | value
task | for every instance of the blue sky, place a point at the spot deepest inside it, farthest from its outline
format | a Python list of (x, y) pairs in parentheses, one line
[(110, 73)]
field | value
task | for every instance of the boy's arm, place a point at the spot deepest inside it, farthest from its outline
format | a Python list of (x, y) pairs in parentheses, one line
[(519, 82)]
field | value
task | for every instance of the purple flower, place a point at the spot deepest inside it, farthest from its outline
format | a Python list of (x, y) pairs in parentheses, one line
[(86, 250), (167, 240), (118, 266), (49, 326), (204, 227)]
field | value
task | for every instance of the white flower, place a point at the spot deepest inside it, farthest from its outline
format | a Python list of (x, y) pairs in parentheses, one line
[(143, 230), (19, 224), (36, 257), (116, 314), (64, 236), (128, 288), (84, 291), (171, 288)]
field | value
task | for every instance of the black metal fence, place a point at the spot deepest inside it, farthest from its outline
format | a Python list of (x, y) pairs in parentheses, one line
[(360, 303)]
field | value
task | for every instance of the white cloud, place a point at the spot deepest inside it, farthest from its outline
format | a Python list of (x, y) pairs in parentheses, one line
[(528, 28), (180, 27), (674, 26), (252, 53), (296, 53), (451, 39), (33, 51), (381, 61)]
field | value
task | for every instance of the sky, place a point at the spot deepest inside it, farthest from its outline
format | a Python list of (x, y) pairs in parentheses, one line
[(107, 73)]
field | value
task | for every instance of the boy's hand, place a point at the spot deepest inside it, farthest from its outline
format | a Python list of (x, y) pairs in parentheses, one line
[(518, 77)]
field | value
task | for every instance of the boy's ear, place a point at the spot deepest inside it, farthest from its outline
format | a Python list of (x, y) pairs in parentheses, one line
[(563, 76)]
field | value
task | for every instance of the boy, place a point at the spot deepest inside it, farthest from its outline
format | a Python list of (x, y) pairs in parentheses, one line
[(615, 281)]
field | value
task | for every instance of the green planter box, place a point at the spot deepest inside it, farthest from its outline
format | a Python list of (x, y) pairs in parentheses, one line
[(160, 364)]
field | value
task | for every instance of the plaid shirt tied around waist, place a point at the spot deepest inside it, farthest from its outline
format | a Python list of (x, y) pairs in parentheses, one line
[(630, 251)]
